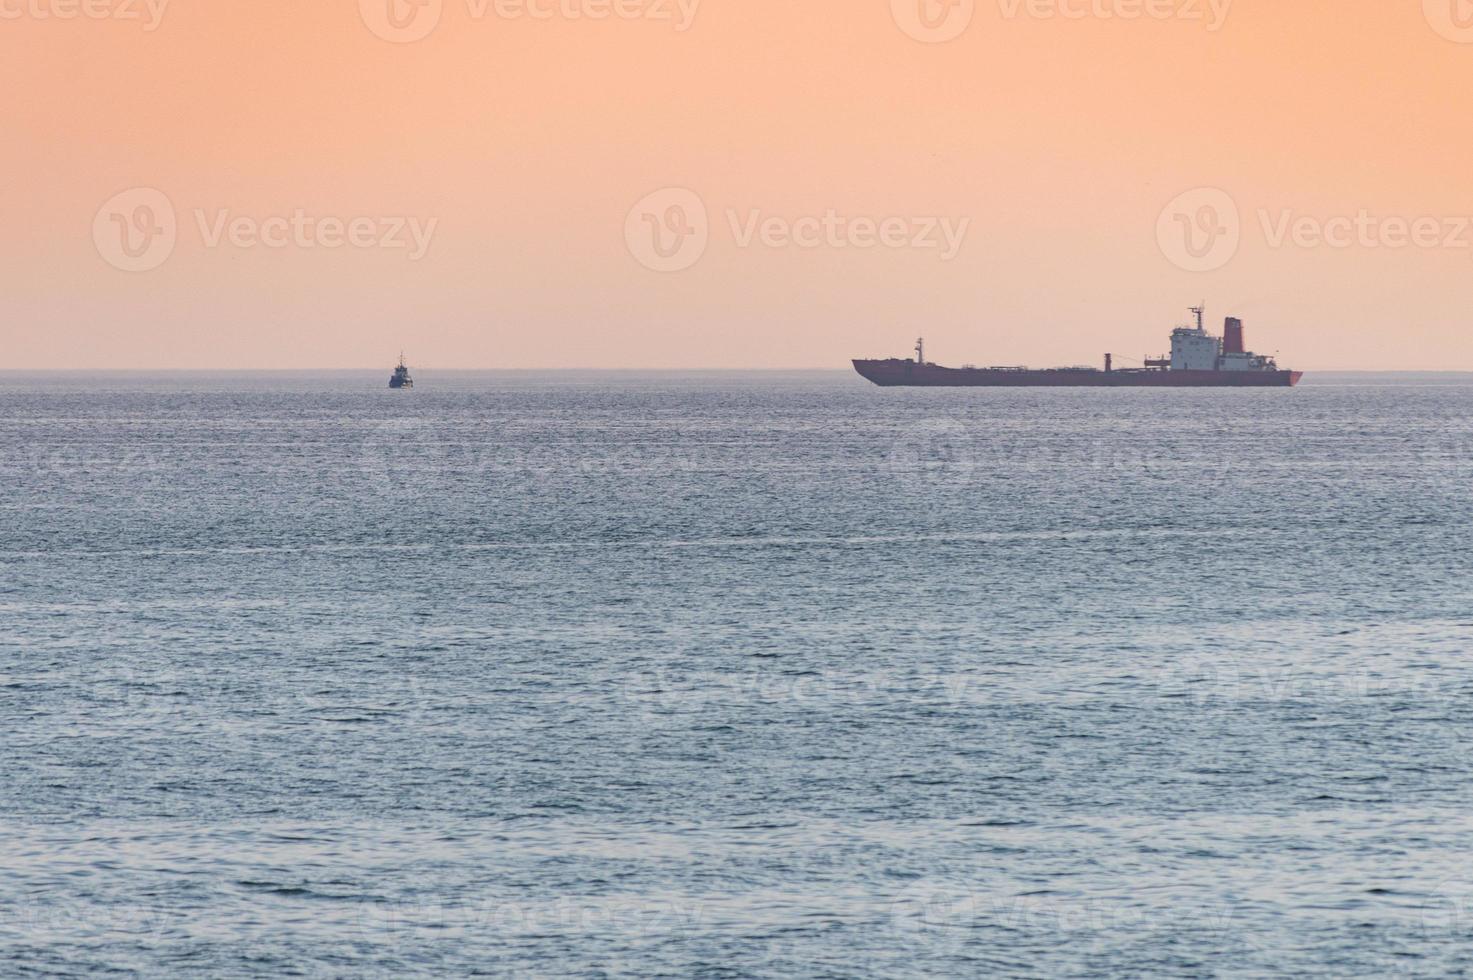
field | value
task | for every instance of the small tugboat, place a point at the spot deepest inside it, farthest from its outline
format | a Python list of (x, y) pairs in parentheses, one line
[(401, 378)]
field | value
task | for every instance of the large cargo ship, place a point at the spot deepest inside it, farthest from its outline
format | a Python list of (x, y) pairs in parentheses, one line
[(1197, 360)]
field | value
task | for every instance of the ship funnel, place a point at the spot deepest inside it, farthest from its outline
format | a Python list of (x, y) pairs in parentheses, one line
[(1232, 337)]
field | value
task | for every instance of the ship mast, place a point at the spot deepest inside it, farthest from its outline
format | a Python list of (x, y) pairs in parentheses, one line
[(1199, 310)]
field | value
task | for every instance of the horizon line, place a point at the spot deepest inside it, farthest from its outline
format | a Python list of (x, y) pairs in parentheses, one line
[(605, 370)]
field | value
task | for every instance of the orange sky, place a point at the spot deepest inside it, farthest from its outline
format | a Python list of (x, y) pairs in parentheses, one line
[(520, 145)]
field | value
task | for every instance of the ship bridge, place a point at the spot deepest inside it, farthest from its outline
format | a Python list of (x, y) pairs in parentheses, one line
[(1193, 348)]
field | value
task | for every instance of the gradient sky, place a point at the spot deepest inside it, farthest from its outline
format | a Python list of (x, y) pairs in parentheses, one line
[(1062, 142)]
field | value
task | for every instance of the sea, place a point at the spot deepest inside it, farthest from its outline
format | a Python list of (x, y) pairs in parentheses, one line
[(718, 675)]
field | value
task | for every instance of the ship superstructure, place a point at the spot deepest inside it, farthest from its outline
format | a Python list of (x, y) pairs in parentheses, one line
[(1197, 360), (401, 378)]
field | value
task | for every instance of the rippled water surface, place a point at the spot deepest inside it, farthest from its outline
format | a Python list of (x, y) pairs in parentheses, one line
[(733, 674)]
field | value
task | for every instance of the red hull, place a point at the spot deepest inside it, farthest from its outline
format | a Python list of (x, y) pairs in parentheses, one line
[(898, 373)]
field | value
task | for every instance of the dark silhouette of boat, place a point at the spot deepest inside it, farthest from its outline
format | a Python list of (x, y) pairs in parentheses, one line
[(1197, 360), (401, 378)]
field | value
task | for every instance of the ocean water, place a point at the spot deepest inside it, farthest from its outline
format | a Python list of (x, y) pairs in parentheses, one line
[(728, 675)]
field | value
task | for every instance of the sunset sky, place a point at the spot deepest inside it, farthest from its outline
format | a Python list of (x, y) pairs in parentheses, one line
[(492, 190)]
